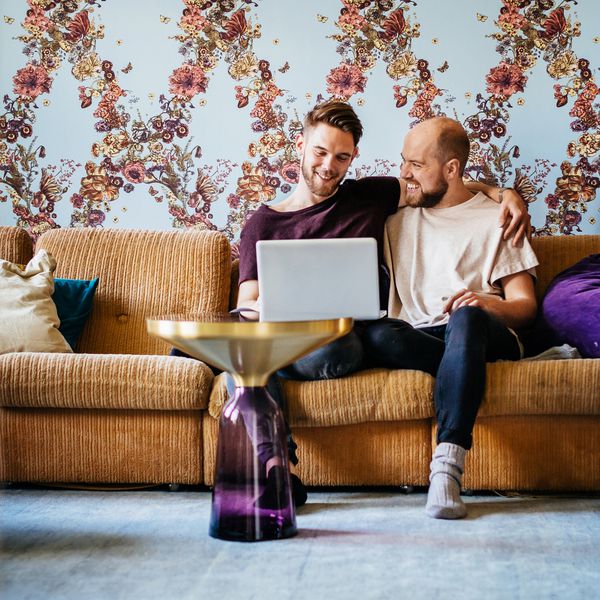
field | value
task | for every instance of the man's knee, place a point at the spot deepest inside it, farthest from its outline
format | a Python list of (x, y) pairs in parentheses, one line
[(336, 359), (382, 338), (468, 317)]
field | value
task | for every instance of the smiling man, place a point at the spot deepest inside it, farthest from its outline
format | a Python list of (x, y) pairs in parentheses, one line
[(458, 293), (324, 205)]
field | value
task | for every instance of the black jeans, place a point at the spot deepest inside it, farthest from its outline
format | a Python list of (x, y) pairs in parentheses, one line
[(455, 354)]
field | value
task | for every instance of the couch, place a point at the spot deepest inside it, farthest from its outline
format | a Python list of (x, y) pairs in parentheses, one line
[(121, 411)]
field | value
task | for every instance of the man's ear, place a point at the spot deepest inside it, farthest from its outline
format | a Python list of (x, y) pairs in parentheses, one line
[(300, 144), (355, 153), (452, 169)]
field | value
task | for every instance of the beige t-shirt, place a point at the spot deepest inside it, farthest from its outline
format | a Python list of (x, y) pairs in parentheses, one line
[(432, 253)]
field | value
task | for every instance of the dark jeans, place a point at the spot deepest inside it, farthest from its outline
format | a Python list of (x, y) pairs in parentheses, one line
[(455, 354)]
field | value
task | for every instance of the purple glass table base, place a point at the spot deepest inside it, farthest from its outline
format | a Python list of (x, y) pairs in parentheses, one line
[(247, 504)]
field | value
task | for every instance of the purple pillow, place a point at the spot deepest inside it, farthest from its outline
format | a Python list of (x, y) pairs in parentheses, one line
[(570, 311)]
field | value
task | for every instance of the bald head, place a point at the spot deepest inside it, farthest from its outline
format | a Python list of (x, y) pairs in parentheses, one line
[(449, 138)]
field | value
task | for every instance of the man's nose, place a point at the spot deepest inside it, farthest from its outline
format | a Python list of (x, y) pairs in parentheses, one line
[(404, 170)]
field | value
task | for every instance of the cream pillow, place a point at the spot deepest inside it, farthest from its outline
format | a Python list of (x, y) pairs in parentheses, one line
[(28, 318)]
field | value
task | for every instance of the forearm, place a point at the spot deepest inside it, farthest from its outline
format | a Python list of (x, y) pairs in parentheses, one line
[(493, 192), (516, 313)]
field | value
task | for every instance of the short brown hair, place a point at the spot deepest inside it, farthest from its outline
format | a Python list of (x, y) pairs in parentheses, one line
[(453, 142), (337, 114)]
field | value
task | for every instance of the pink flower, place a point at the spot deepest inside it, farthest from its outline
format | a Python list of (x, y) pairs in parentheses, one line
[(505, 80), (290, 172), (512, 16), (187, 81), (345, 81), (134, 172), (31, 81)]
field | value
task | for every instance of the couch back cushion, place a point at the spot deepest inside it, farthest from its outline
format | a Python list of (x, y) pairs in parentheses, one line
[(15, 245), (141, 274), (556, 253)]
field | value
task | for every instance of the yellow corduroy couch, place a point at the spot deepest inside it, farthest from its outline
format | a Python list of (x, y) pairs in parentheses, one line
[(120, 411)]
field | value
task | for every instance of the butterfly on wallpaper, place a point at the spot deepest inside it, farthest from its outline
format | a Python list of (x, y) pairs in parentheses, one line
[(444, 67), (322, 18), (164, 19), (285, 68), (127, 68), (481, 18), (8, 20)]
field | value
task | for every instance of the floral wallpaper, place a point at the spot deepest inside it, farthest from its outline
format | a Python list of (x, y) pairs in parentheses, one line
[(153, 114)]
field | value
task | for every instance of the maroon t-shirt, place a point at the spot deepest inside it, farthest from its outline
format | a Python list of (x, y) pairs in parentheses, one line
[(359, 208)]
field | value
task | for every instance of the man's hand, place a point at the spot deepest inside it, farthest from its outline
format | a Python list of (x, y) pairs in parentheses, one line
[(470, 298), (514, 218)]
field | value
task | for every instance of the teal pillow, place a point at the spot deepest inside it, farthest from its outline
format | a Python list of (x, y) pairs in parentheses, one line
[(73, 299)]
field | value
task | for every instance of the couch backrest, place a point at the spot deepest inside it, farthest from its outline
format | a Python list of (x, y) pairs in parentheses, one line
[(15, 245), (556, 253), (142, 274)]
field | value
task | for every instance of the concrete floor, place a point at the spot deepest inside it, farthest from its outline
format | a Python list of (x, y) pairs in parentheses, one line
[(369, 544)]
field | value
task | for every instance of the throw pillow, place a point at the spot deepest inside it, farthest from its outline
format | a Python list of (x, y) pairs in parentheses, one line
[(73, 299), (570, 310), (28, 317)]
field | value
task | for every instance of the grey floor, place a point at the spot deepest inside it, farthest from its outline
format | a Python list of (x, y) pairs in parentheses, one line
[(154, 544)]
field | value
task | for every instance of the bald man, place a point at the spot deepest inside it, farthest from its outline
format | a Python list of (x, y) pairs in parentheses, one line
[(458, 294)]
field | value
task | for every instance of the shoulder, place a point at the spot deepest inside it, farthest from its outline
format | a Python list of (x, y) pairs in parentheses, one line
[(383, 190), (257, 224)]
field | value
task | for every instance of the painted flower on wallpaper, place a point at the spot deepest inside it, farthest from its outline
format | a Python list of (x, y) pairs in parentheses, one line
[(510, 19), (31, 81), (192, 21), (351, 20), (244, 67), (187, 81), (96, 185), (345, 81), (564, 66), (36, 21), (505, 80), (573, 186), (88, 66), (134, 172), (290, 171), (253, 187), (404, 66), (587, 145)]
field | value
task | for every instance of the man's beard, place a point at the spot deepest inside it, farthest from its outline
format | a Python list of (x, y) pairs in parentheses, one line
[(431, 198), (318, 186)]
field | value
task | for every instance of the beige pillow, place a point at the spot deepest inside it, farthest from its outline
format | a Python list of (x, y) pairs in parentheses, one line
[(28, 318)]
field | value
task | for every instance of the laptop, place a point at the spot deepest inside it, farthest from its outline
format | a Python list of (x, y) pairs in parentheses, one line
[(300, 280)]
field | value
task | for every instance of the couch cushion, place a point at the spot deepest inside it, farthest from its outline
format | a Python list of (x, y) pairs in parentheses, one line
[(73, 299), (544, 387), (368, 396), (103, 381), (15, 245), (142, 274), (570, 311), (28, 317)]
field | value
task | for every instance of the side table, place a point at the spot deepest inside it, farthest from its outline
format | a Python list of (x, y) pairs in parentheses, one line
[(246, 504)]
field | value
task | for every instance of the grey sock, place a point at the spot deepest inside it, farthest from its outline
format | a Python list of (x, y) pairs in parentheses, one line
[(443, 498)]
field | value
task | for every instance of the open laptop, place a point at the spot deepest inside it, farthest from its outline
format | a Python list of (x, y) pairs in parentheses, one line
[(301, 280)]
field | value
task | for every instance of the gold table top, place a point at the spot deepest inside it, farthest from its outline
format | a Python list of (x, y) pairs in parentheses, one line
[(249, 350)]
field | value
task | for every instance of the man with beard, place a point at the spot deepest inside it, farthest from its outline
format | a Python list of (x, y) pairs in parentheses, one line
[(322, 206), (458, 290)]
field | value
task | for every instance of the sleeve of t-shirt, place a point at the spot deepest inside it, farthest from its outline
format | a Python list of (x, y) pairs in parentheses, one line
[(384, 190), (251, 233), (511, 260)]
